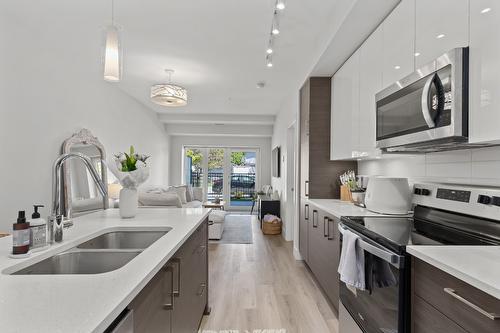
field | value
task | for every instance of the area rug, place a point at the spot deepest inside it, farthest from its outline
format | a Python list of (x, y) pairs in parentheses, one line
[(237, 230)]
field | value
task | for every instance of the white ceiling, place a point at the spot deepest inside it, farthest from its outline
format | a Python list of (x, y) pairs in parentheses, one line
[(217, 49)]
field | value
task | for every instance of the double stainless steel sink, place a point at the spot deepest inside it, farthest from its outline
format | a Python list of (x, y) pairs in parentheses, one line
[(101, 254)]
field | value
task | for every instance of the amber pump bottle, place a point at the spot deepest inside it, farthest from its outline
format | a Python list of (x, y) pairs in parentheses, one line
[(21, 235)]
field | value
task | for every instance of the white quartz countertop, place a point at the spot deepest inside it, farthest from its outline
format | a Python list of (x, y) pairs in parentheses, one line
[(88, 303), (478, 266), (340, 208)]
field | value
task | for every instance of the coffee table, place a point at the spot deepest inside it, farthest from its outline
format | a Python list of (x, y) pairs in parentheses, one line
[(211, 204)]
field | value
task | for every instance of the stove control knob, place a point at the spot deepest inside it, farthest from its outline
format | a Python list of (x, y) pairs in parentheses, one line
[(426, 191), (418, 191), (484, 199), (495, 201)]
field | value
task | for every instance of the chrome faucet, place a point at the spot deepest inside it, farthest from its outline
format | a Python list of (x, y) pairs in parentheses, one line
[(55, 220)]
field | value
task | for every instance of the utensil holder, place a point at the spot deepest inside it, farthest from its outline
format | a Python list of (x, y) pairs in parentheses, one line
[(345, 193)]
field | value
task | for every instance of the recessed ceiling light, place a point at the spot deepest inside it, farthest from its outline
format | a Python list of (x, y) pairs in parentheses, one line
[(440, 36), (280, 5), (261, 84), (269, 60), (417, 54), (269, 50), (275, 31), (484, 11), (397, 67)]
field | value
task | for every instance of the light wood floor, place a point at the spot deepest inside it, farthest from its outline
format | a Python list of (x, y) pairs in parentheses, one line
[(261, 286)]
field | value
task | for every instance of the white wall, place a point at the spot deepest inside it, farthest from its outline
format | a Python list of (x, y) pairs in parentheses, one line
[(178, 142), (287, 116), (50, 87), (475, 166)]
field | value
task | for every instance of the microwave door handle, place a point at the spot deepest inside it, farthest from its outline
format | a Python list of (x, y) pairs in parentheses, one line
[(425, 102), (391, 258)]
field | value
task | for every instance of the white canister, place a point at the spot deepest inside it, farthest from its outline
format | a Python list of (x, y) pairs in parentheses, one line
[(388, 195), (128, 202)]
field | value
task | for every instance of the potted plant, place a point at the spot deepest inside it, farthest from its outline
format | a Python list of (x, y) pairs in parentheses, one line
[(131, 170)]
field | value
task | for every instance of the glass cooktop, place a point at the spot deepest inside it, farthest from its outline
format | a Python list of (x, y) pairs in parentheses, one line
[(429, 226)]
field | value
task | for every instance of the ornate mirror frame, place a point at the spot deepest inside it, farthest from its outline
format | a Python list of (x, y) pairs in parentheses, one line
[(85, 137)]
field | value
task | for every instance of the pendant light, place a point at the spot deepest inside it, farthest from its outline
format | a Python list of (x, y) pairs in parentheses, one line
[(112, 51), (168, 94)]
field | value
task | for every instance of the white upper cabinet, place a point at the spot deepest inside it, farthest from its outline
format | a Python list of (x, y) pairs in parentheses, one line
[(484, 71), (399, 42), (345, 110), (370, 83), (441, 25)]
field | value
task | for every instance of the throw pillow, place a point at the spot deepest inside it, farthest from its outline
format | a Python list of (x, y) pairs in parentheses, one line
[(163, 199), (189, 193), (181, 192)]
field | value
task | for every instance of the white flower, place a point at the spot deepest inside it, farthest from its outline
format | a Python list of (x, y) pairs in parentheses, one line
[(140, 164)]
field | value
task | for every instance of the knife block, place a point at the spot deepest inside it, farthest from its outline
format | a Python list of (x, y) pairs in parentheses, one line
[(345, 193)]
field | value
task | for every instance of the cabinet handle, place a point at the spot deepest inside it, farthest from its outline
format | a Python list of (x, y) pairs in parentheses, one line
[(201, 249), (177, 292), (306, 188), (306, 212), (330, 236), (325, 221), (170, 305), (202, 288), (315, 215), (485, 313)]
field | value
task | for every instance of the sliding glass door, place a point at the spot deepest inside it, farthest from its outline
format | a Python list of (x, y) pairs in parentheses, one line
[(243, 177), (229, 174)]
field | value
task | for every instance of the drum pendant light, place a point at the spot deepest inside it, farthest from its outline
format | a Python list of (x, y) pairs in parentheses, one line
[(168, 94)]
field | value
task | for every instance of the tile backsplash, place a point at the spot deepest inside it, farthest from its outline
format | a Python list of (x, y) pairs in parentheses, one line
[(473, 166)]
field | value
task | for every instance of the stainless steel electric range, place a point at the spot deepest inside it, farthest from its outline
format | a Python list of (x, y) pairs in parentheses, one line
[(443, 215)]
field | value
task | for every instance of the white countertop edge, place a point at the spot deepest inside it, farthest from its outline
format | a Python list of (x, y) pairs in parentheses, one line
[(418, 251), (339, 208)]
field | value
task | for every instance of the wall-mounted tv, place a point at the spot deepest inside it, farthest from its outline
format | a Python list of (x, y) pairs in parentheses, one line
[(276, 162)]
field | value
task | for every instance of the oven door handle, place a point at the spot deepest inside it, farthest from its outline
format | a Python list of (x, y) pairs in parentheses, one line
[(392, 258)]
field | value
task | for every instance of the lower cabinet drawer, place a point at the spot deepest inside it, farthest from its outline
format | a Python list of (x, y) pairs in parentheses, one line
[(427, 319), (469, 307)]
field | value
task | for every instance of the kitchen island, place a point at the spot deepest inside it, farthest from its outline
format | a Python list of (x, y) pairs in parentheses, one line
[(89, 302)]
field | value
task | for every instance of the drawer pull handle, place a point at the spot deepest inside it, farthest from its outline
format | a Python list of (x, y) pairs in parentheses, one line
[(485, 313)]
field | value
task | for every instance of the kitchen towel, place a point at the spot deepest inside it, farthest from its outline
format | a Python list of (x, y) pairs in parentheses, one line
[(352, 261)]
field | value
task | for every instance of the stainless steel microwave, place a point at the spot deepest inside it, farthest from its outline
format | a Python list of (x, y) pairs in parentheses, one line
[(428, 109)]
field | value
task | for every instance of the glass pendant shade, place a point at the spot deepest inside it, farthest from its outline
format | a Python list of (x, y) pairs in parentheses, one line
[(112, 55), (169, 95)]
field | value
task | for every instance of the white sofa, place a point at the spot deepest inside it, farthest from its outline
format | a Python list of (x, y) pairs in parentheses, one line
[(168, 196), (164, 196)]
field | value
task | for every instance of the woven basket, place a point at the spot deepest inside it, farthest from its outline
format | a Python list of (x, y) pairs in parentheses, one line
[(271, 228)]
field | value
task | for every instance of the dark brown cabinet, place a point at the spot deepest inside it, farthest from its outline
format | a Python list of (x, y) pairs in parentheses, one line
[(177, 296), (318, 231), (318, 175), (443, 303), (322, 249)]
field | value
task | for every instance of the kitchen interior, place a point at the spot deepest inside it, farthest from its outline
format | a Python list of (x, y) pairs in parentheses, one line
[(392, 143)]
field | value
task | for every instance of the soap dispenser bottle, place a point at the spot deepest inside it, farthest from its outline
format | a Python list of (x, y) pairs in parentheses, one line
[(38, 230), (21, 235)]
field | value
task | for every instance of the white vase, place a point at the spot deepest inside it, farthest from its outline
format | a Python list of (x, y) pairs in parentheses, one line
[(128, 202)]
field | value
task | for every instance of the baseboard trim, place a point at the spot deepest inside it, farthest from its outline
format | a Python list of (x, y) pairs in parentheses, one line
[(296, 254)]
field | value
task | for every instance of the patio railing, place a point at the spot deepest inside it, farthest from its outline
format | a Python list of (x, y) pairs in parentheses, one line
[(242, 185)]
